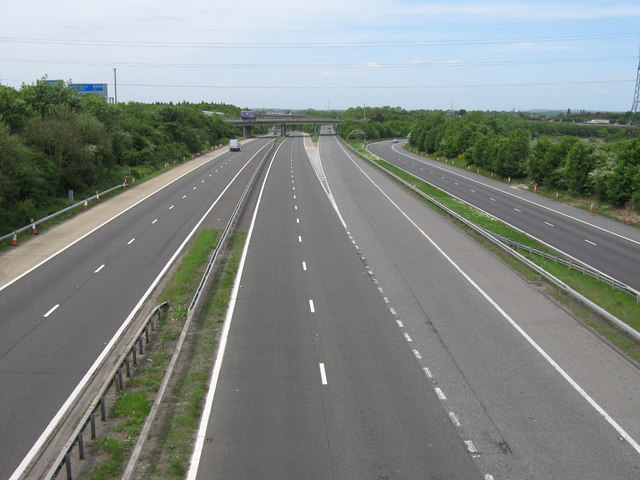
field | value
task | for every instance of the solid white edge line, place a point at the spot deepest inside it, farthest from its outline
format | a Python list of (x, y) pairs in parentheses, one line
[(523, 199), (103, 224), (328, 193), (529, 233), (519, 329), (323, 374), (107, 349), (206, 412)]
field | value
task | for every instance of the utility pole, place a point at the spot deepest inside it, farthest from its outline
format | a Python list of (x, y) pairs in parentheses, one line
[(115, 86)]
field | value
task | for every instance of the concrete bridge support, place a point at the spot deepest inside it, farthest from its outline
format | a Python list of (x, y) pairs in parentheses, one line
[(246, 131)]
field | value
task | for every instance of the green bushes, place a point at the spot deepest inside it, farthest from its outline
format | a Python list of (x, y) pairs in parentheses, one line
[(511, 147), (53, 140)]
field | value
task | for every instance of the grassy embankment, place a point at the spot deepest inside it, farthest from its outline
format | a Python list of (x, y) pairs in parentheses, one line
[(622, 305)]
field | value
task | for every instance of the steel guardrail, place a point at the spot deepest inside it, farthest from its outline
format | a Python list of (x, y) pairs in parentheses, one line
[(483, 232), (571, 263), (60, 212), (192, 311), (134, 347), (123, 365)]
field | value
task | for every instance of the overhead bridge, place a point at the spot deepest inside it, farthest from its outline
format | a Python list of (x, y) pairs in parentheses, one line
[(283, 122)]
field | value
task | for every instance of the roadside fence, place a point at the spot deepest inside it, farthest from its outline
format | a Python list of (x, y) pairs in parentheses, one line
[(559, 284), (33, 226)]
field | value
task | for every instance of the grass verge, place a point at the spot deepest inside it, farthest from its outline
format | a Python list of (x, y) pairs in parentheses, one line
[(621, 304), (133, 404), (171, 454)]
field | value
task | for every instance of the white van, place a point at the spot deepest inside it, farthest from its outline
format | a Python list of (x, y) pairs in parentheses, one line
[(234, 145)]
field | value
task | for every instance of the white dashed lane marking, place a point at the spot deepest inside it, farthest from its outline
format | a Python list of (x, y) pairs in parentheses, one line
[(323, 374), (99, 268), (470, 446), (590, 242), (53, 309), (454, 419), (440, 394)]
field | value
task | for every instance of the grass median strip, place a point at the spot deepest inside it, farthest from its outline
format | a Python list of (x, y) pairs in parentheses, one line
[(618, 303), (132, 405), (170, 455)]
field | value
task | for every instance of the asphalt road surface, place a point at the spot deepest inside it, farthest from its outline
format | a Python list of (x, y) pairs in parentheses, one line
[(56, 320), (530, 391), (317, 381), (608, 246)]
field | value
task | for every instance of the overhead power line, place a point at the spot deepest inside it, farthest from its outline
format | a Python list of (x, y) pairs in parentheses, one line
[(314, 45), (386, 87), (373, 65)]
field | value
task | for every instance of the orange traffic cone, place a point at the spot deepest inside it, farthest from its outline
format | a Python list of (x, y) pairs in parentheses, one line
[(97, 197), (86, 205), (592, 207), (14, 240), (34, 230)]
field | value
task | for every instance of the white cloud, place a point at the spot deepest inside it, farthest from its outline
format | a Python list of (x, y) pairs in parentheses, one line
[(526, 10)]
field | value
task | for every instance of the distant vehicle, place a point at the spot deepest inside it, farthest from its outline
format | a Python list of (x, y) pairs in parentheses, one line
[(395, 140), (248, 115), (234, 145)]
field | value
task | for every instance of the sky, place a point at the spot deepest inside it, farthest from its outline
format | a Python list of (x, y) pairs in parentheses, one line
[(333, 54)]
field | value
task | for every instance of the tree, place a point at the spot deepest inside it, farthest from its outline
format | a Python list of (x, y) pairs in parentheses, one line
[(578, 165), (510, 154), (76, 142), (45, 98), (623, 184), (14, 111), (537, 162)]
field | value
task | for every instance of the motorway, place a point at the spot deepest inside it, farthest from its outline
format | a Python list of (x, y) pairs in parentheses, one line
[(57, 319), (380, 342), (608, 246), (317, 382)]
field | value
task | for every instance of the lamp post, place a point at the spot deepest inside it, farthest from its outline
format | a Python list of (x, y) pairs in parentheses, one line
[(115, 86)]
